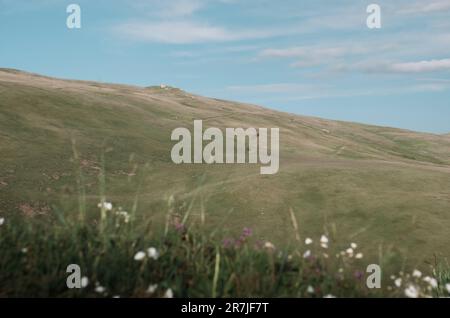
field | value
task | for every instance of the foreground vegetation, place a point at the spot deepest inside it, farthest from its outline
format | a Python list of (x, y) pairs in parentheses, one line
[(122, 256)]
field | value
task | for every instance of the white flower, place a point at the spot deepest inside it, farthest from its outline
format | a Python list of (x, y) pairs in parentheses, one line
[(139, 256), (310, 290), (411, 292), (168, 294), (354, 246), (432, 281), (2, 221), (105, 205), (153, 253), (398, 282), (329, 296), (152, 288), (349, 251), (416, 273), (308, 241), (324, 239), (100, 289), (447, 286), (324, 245), (24, 250), (84, 282), (341, 270), (359, 255), (269, 246), (307, 254), (124, 214)]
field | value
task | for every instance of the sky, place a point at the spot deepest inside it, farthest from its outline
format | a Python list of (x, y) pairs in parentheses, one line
[(309, 57)]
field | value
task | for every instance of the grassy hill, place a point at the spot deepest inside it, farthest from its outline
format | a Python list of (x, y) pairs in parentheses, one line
[(388, 189)]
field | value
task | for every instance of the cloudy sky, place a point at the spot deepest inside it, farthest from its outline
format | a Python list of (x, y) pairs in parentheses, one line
[(302, 56)]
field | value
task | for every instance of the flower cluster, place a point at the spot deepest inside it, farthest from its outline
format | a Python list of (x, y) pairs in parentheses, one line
[(416, 285), (152, 254), (245, 235)]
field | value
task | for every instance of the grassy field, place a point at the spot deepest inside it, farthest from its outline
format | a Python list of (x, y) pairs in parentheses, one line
[(385, 188)]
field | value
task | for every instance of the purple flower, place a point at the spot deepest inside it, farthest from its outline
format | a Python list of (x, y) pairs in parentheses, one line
[(359, 275), (180, 227), (247, 232), (228, 243)]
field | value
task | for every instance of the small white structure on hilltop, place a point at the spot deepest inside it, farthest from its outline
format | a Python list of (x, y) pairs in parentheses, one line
[(163, 86)]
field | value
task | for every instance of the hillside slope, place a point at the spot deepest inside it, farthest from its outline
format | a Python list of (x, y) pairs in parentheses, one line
[(382, 187)]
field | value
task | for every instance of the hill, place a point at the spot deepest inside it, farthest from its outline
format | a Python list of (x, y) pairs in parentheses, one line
[(388, 189)]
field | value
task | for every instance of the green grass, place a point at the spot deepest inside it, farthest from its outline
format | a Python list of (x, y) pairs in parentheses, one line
[(192, 261), (387, 189)]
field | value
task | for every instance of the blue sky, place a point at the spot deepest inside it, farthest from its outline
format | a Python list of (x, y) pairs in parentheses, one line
[(307, 57)]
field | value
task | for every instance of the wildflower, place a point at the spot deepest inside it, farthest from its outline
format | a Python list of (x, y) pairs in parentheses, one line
[(417, 273), (153, 253), (269, 246), (324, 239), (105, 205), (168, 293), (152, 288), (307, 254), (349, 252), (432, 281), (325, 255), (354, 246), (84, 282), (412, 292), (310, 290), (308, 241), (447, 286), (398, 282), (329, 296), (2, 221), (180, 227), (139, 256), (341, 270), (125, 215), (247, 232), (227, 243), (393, 277), (359, 256), (100, 289), (359, 275), (24, 250)]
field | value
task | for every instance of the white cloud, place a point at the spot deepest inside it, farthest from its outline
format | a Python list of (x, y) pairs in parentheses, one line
[(308, 56), (181, 8), (169, 9), (377, 66), (427, 7), (421, 67), (304, 52), (189, 32)]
